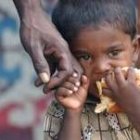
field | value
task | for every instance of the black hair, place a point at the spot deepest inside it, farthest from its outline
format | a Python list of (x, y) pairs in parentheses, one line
[(70, 16)]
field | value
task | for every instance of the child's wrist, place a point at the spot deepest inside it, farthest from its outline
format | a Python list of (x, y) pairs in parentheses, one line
[(73, 112)]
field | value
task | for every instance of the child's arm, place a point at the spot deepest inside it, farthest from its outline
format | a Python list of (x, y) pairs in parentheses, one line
[(71, 128), (134, 117), (73, 103), (126, 93)]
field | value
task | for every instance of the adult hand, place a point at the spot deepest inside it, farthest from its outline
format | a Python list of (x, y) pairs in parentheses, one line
[(47, 49)]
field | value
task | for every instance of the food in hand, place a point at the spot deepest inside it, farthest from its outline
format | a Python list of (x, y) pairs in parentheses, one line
[(107, 104)]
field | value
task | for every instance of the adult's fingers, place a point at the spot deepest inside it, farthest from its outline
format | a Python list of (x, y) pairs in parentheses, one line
[(77, 67), (40, 63), (67, 65), (64, 70), (38, 82), (33, 47), (57, 80)]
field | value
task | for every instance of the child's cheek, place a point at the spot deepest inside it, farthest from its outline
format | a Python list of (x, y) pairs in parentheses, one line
[(88, 72)]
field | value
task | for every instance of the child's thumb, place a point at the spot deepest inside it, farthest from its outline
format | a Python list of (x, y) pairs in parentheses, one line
[(84, 82)]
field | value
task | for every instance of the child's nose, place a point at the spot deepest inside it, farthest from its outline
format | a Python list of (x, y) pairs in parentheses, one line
[(102, 67)]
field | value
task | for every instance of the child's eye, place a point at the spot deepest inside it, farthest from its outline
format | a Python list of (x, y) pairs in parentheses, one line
[(114, 53), (84, 57)]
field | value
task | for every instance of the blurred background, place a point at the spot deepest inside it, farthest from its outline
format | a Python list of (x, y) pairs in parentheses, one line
[(22, 105)]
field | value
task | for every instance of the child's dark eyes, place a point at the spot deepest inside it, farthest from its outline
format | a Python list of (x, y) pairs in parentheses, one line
[(84, 57), (114, 53)]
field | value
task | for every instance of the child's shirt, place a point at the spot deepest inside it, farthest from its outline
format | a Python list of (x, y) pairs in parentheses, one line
[(103, 126)]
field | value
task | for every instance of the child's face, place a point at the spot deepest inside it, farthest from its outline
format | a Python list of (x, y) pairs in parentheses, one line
[(101, 50)]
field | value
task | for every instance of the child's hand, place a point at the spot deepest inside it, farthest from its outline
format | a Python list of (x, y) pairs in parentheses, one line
[(73, 95), (124, 90)]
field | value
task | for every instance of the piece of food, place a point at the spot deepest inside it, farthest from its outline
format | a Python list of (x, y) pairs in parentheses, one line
[(107, 104)]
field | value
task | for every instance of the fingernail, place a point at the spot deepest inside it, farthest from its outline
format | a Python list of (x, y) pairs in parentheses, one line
[(75, 89), (118, 69), (77, 84), (70, 91), (75, 74), (44, 77)]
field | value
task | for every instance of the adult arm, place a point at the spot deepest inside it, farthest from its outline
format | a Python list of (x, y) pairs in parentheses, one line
[(41, 40)]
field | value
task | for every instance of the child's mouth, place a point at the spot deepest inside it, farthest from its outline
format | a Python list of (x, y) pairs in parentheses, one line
[(94, 91)]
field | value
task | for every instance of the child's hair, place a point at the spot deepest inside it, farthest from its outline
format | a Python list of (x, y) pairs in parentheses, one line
[(70, 16)]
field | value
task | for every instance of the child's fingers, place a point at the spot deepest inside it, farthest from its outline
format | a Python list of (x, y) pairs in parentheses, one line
[(64, 92), (119, 76), (73, 79), (70, 86), (72, 83), (131, 75), (110, 81), (108, 93), (84, 82)]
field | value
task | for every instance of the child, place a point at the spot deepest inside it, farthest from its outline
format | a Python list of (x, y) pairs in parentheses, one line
[(102, 36)]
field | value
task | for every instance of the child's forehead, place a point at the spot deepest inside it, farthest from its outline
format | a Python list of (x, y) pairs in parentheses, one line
[(100, 33), (91, 37)]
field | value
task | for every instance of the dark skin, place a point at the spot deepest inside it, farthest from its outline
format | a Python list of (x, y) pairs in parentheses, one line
[(41, 40), (98, 59), (37, 41), (120, 89), (138, 4), (73, 102)]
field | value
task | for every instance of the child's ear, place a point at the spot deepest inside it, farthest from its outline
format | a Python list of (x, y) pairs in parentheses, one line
[(136, 45)]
